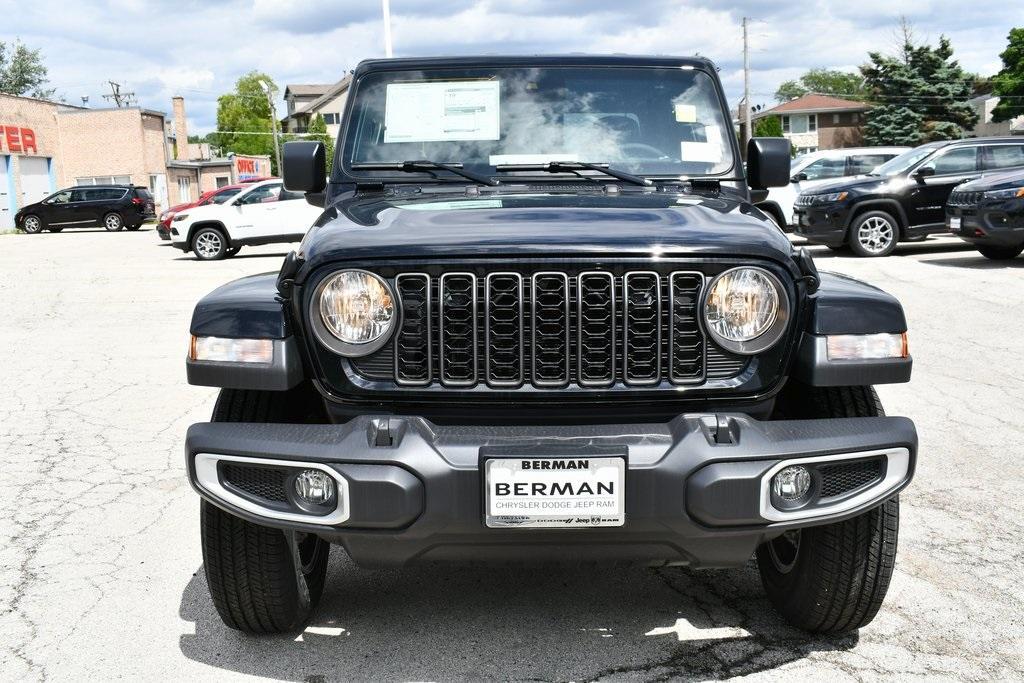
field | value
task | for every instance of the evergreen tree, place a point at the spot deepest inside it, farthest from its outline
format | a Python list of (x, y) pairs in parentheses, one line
[(921, 95), (768, 127), (318, 133), (1009, 82)]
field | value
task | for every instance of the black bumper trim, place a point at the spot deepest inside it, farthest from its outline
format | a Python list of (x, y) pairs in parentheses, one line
[(661, 459)]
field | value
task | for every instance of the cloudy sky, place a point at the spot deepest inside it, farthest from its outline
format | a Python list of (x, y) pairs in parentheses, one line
[(197, 48)]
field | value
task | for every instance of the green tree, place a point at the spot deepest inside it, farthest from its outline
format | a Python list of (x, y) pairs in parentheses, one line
[(22, 71), (318, 133), (1008, 83), (244, 120), (768, 127), (921, 95), (825, 81)]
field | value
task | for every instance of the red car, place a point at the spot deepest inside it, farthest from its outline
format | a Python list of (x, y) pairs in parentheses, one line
[(218, 196)]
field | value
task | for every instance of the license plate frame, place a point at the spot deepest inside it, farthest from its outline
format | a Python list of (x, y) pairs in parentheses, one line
[(568, 505)]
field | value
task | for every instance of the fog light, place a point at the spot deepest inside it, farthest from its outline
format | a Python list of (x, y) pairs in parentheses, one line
[(791, 483), (314, 487)]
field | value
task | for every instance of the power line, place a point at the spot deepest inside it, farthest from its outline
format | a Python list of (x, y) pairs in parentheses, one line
[(121, 99)]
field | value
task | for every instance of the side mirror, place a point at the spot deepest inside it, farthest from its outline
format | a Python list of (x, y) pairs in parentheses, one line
[(798, 177), (768, 162), (304, 163), (923, 172)]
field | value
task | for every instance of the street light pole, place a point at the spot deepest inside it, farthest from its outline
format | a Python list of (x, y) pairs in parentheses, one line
[(747, 133), (386, 8), (273, 122)]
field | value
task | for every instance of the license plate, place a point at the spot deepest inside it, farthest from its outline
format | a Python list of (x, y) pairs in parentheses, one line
[(555, 492), (954, 224)]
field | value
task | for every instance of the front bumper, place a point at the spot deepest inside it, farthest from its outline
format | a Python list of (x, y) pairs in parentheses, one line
[(822, 224), (695, 487), (997, 223)]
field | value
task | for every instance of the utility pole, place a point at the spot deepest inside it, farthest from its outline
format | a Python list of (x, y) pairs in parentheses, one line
[(273, 123), (121, 99), (747, 132), (386, 8)]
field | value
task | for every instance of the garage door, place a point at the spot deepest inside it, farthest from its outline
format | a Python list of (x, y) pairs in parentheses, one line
[(35, 179), (6, 200)]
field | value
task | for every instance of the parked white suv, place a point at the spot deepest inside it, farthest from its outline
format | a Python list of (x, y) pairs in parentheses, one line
[(263, 213), (808, 170)]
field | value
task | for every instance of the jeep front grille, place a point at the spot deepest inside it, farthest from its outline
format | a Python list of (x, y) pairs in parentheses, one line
[(549, 329)]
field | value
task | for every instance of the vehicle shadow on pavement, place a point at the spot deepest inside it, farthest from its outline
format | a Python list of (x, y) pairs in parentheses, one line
[(978, 262), (589, 622)]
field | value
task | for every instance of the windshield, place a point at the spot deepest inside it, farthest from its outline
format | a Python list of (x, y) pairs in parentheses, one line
[(901, 163), (653, 121)]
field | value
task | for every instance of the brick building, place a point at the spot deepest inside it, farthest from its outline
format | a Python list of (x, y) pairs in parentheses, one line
[(814, 122), (45, 146)]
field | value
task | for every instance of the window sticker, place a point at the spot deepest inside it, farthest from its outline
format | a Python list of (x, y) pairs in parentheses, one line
[(686, 113), (441, 111), (709, 152)]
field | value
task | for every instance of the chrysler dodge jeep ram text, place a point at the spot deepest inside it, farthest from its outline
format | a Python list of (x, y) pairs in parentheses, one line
[(541, 319)]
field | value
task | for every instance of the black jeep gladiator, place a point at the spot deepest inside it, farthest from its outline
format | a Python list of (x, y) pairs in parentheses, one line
[(541, 319)]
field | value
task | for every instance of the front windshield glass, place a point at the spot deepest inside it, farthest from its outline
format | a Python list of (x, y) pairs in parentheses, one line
[(651, 121), (901, 163)]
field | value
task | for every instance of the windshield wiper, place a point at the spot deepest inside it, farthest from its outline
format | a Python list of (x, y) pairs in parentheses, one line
[(425, 165), (572, 167)]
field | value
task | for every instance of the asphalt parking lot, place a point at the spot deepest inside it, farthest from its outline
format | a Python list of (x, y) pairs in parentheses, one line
[(101, 571)]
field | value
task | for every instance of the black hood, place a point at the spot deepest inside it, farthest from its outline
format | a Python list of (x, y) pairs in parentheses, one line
[(999, 181), (859, 182), (431, 226)]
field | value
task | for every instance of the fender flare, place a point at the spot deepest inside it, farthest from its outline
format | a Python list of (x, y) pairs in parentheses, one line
[(888, 205), (207, 224)]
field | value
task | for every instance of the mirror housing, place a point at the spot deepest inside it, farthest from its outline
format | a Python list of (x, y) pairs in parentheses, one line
[(923, 172), (798, 177), (304, 163), (768, 162)]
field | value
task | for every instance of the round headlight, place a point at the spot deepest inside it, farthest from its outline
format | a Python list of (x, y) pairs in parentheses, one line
[(356, 310), (745, 310)]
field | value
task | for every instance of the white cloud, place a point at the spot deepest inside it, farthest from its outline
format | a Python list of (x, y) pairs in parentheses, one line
[(158, 47)]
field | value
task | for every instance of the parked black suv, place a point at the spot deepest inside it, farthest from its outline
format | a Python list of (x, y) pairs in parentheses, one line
[(903, 199), (540, 319), (111, 206), (989, 213)]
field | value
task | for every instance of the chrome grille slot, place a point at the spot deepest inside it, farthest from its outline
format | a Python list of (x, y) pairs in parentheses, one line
[(641, 335), (595, 320), (457, 329), (550, 329), (686, 339), (413, 340), (503, 335)]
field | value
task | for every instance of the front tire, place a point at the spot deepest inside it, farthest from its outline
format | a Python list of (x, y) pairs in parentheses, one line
[(1000, 253), (874, 233), (261, 579), (113, 222), (209, 244), (832, 578), (32, 224)]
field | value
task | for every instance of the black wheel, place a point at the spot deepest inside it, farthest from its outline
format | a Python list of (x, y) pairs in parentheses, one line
[(874, 233), (32, 224), (113, 222), (261, 580), (832, 578), (1000, 253), (209, 244)]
